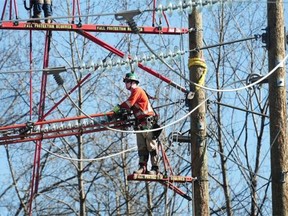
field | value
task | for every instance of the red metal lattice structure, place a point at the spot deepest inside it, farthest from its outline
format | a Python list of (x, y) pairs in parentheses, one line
[(37, 131)]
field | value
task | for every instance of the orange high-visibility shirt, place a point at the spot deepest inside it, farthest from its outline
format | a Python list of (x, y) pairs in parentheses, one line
[(139, 103)]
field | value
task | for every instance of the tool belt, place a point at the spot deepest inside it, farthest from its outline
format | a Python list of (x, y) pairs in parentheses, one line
[(145, 123)]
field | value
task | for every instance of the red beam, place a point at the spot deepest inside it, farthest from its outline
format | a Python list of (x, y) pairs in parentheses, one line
[(166, 181), (121, 54), (63, 98), (176, 190), (64, 132), (18, 126), (10, 25)]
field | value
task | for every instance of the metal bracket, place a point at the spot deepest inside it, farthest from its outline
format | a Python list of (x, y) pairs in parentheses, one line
[(189, 96), (54, 70), (56, 73), (127, 15), (285, 38), (283, 177), (266, 37)]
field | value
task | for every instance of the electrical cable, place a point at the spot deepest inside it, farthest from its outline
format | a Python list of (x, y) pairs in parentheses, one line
[(238, 164), (137, 131), (211, 89), (88, 160), (61, 17), (142, 11), (112, 129), (196, 84)]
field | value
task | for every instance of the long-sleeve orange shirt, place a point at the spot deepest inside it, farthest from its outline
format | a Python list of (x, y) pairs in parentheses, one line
[(139, 103)]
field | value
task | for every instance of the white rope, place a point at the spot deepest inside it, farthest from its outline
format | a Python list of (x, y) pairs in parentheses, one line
[(87, 159)]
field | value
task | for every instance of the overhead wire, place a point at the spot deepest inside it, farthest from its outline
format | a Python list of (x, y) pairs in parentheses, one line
[(252, 84), (87, 159), (249, 170), (233, 161), (117, 130), (237, 163), (142, 11), (280, 64), (138, 131), (196, 84), (134, 131), (79, 67), (108, 14), (162, 127)]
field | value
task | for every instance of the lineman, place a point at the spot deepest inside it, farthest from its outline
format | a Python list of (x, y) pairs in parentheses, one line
[(46, 6), (145, 117)]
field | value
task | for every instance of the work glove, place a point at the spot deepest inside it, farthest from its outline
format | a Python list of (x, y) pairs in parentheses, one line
[(117, 112), (116, 109)]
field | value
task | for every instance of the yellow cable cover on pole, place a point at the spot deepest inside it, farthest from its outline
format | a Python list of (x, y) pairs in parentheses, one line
[(198, 62)]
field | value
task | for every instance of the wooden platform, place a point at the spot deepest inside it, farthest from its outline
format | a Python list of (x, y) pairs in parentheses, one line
[(159, 177), (166, 181)]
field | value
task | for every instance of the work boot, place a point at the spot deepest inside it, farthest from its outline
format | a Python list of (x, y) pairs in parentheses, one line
[(154, 171), (142, 169), (37, 16), (48, 19)]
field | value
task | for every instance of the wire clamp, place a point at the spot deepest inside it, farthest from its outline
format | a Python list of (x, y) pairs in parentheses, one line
[(129, 17), (28, 127)]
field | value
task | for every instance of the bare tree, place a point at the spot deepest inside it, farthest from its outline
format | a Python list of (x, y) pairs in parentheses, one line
[(87, 174)]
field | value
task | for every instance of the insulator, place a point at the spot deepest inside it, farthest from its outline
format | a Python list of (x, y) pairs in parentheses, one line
[(83, 65), (199, 5), (133, 26), (152, 59), (60, 126), (36, 128), (84, 123), (53, 127), (170, 9), (118, 62), (91, 122), (108, 63), (188, 8), (180, 7), (134, 64), (135, 60), (68, 125), (160, 10), (45, 129), (76, 125), (169, 53), (99, 64), (209, 5), (90, 65), (126, 61), (143, 58), (58, 79), (161, 55)]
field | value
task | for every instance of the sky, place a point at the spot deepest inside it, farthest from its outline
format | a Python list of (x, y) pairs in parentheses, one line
[(4, 166)]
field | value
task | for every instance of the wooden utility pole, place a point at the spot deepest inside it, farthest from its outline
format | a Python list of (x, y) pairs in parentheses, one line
[(197, 69), (277, 100)]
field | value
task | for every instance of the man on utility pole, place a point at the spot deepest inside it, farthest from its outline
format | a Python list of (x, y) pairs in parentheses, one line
[(197, 69), (277, 96)]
